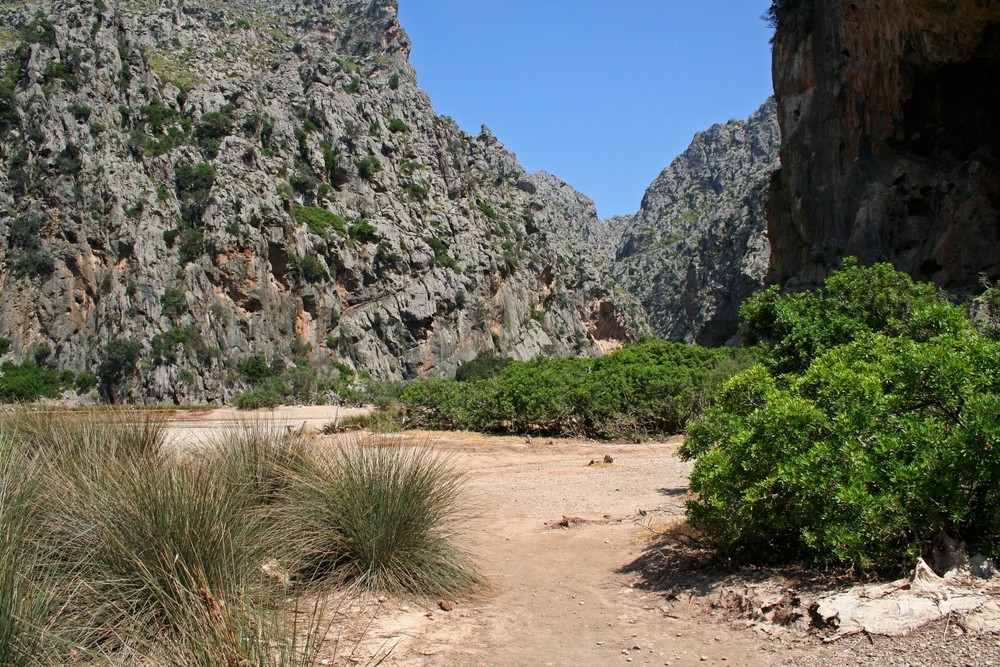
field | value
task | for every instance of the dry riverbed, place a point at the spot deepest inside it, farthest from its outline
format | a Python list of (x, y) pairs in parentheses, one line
[(575, 577)]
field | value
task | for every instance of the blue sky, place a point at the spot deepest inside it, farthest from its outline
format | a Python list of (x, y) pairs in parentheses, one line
[(601, 93)]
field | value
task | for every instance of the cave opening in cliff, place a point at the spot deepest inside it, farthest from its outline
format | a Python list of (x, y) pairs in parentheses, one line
[(951, 115)]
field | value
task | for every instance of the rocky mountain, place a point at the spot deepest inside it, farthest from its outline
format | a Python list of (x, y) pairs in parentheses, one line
[(216, 181), (890, 145), (698, 245)]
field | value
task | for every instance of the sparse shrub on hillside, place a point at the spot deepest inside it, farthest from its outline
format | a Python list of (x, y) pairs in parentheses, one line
[(319, 220), (212, 128), (121, 358), (368, 167), (872, 434), (173, 303), (397, 125), (363, 230)]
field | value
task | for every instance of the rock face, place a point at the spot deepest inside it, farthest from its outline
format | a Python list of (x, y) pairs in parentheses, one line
[(890, 141), (698, 246), (216, 181)]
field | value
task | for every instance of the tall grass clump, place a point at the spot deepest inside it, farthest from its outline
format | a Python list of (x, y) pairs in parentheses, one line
[(117, 548), (381, 517), (25, 603), (260, 458)]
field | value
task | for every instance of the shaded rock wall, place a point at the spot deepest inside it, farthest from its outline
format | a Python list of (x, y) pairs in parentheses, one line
[(890, 139)]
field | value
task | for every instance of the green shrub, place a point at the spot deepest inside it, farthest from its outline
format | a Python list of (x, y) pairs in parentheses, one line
[(487, 210), (382, 517), (441, 255), (363, 231), (872, 435), (188, 339), (319, 220), (397, 125), (190, 245), (4, 345), (368, 166), (29, 381), (394, 81), (855, 301), (194, 181), (267, 395), (415, 191), (121, 359), (85, 382), (485, 365), (173, 303), (211, 129), (648, 388), (255, 369), (308, 267)]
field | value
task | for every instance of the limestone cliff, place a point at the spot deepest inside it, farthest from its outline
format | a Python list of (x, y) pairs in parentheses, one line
[(698, 247), (220, 180), (890, 140)]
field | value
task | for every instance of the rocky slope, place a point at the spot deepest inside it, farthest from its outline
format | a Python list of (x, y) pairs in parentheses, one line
[(698, 245), (221, 180), (890, 145)]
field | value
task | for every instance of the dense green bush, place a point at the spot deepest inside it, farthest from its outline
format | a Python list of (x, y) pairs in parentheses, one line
[(368, 166), (29, 381), (486, 364), (652, 387), (319, 220), (363, 230), (855, 301), (873, 433)]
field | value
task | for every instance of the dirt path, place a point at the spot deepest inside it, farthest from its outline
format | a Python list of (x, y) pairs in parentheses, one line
[(560, 595), (572, 594)]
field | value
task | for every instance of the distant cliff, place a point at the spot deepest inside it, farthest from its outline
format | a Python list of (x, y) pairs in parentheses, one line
[(698, 247), (217, 181), (890, 139)]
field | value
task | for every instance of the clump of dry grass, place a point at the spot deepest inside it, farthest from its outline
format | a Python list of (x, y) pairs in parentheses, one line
[(113, 548), (381, 516)]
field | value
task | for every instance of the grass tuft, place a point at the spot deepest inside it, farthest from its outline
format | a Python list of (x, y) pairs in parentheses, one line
[(381, 517)]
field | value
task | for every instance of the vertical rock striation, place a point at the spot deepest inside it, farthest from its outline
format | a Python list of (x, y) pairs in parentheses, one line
[(890, 140)]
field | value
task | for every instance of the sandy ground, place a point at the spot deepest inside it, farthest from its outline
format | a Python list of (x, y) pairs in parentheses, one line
[(571, 594)]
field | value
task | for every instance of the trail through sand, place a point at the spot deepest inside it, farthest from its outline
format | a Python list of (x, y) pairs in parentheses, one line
[(555, 538), (564, 546)]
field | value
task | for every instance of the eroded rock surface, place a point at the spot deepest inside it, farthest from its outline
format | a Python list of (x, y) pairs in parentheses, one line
[(698, 245), (217, 181)]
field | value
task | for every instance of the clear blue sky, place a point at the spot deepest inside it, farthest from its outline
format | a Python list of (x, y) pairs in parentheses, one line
[(601, 93)]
